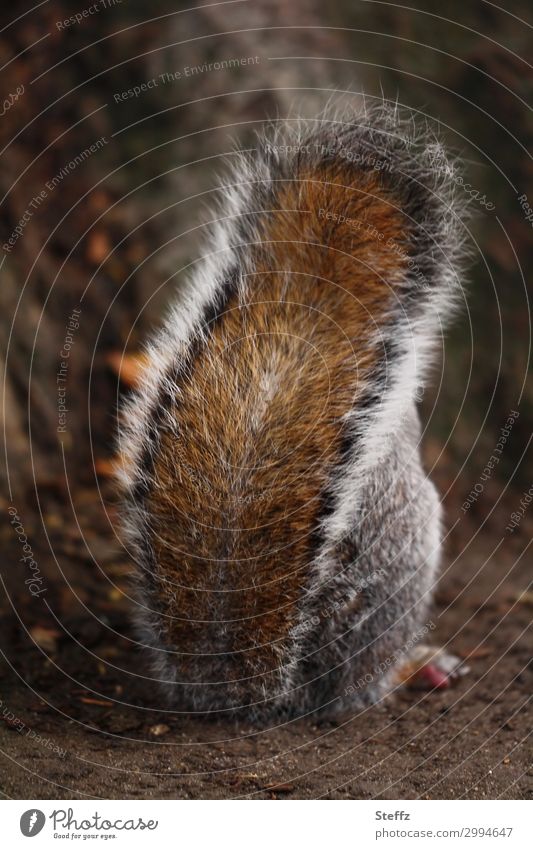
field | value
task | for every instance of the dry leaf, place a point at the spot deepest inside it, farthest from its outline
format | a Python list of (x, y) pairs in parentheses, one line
[(98, 246), (280, 788), (46, 638), (525, 597), (87, 700), (128, 367), (159, 730), (475, 654), (105, 468), (100, 200)]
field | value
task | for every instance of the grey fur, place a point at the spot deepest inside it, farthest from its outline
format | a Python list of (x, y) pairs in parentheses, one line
[(380, 510)]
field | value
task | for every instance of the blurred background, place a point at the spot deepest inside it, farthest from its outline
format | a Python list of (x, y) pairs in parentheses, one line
[(117, 234), (117, 117)]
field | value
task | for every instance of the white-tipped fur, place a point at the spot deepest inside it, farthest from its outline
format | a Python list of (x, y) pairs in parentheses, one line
[(384, 431)]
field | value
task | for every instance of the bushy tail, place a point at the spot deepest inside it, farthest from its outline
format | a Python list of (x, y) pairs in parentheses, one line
[(335, 262)]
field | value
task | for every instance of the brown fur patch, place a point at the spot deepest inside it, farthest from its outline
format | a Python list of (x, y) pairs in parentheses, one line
[(260, 420)]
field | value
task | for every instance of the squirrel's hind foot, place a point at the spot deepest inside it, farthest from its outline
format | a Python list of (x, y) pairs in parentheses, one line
[(431, 668)]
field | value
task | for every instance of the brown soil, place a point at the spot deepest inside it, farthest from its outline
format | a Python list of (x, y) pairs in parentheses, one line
[(82, 692)]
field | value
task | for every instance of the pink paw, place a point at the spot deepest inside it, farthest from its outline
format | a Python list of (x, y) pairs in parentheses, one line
[(434, 677), (432, 669)]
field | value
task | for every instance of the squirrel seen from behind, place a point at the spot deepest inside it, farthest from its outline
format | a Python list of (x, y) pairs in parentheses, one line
[(286, 537)]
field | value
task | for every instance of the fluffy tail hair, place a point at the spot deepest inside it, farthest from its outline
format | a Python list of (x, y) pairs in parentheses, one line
[(274, 386)]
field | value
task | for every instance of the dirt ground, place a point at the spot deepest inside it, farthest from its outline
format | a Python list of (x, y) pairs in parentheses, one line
[(77, 719)]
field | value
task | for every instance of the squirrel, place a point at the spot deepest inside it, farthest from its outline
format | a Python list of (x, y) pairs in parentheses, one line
[(285, 535)]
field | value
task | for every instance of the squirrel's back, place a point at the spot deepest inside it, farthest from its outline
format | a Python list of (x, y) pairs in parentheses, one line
[(270, 393)]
